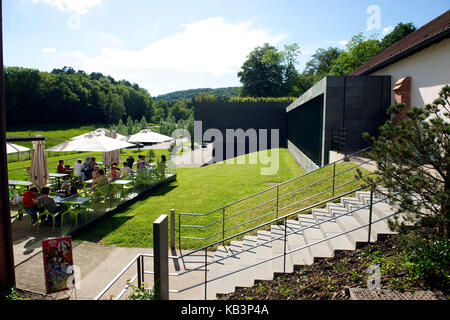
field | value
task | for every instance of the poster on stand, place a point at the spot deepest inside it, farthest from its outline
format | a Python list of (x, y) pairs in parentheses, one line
[(58, 264)]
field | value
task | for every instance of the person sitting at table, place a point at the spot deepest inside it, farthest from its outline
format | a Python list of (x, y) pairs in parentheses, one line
[(126, 170), (101, 180), (61, 168), (114, 174), (130, 161), (45, 202), (30, 203), (78, 170), (68, 190), (141, 162), (95, 173)]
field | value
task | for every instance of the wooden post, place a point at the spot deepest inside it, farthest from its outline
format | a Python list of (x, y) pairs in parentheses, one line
[(161, 257)]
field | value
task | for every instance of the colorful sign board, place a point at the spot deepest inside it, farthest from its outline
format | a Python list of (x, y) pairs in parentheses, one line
[(58, 264)]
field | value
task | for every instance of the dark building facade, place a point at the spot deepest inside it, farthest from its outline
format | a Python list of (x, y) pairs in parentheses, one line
[(332, 115), (231, 119)]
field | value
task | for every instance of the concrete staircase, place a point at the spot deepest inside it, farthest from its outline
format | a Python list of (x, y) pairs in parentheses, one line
[(270, 244)]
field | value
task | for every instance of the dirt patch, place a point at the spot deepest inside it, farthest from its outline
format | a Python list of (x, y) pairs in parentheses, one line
[(332, 278)]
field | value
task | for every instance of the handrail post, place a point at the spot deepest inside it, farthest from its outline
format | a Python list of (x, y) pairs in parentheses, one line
[(206, 273), (370, 215), (179, 232), (223, 225), (285, 240), (334, 177), (172, 228), (277, 198), (139, 272)]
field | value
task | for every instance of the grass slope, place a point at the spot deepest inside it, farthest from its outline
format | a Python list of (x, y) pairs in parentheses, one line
[(195, 191)]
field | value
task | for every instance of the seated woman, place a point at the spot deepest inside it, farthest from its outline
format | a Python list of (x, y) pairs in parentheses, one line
[(95, 173), (114, 174)]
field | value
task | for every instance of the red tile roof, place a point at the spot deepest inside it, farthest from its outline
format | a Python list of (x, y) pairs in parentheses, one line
[(429, 34)]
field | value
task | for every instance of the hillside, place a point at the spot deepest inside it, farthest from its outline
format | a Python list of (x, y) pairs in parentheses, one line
[(192, 93)]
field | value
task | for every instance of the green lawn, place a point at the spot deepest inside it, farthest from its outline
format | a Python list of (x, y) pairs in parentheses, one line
[(195, 191), (205, 189)]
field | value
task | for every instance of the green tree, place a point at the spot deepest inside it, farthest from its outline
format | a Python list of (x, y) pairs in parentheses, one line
[(399, 32), (262, 73), (321, 63), (359, 50), (413, 161)]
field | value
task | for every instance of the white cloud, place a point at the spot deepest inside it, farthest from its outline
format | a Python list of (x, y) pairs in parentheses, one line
[(72, 6), (341, 42), (48, 50), (387, 30), (211, 46)]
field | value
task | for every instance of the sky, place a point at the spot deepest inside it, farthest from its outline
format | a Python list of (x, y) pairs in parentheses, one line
[(172, 45)]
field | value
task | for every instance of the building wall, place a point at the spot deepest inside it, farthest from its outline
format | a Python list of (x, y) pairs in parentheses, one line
[(224, 116), (355, 103), (429, 70)]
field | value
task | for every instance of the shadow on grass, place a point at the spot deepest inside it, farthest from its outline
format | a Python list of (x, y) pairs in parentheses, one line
[(97, 231)]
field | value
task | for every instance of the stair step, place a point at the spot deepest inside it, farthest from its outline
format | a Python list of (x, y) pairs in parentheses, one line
[(303, 256), (352, 203), (312, 235), (380, 227), (330, 229), (283, 263), (360, 235), (264, 251)]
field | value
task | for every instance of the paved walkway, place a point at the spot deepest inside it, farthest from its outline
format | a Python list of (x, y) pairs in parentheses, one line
[(98, 265)]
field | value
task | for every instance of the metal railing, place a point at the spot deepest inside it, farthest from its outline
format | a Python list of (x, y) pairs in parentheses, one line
[(272, 202), (204, 267)]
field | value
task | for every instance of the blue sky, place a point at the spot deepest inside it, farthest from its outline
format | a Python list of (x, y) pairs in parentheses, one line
[(175, 45)]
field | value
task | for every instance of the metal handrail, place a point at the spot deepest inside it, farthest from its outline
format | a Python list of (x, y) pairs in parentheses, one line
[(284, 254), (281, 184), (223, 219)]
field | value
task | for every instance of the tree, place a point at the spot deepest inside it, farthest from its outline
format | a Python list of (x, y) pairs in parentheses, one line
[(413, 160), (321, 63), (359, 50), (399, 32), (262, 72)]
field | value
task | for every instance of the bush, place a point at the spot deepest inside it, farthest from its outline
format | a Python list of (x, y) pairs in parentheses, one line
[(142, 293), (430, 261)]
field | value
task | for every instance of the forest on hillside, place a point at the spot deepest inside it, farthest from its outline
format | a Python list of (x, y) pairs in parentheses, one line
[(193, 93)]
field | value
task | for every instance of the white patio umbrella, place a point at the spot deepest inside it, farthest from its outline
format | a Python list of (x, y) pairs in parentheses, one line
[(91, 143), (149, 136), (13, 148), (111, 157), (39, 166), (101, 132)]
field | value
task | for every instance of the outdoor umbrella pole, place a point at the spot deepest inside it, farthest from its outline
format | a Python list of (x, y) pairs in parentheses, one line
[(7, 274)]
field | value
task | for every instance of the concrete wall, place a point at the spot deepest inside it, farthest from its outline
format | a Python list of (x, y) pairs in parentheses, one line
[(257, 116), (356, 103), (429, 70)]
